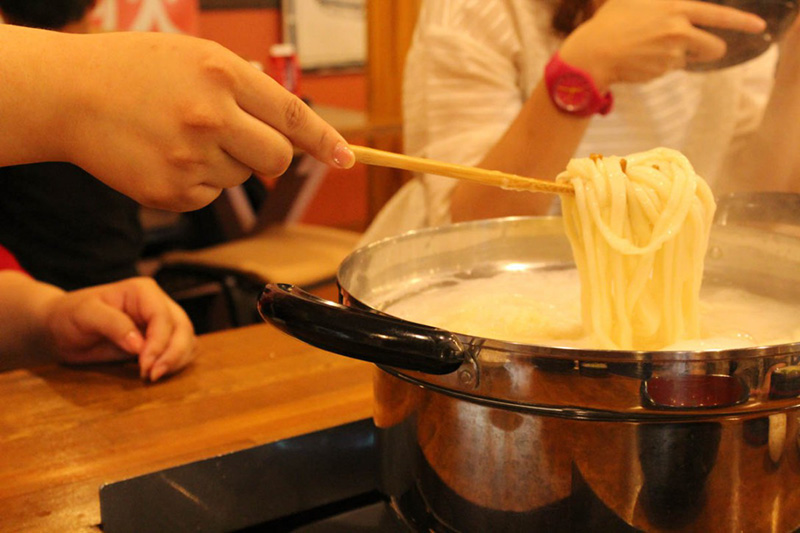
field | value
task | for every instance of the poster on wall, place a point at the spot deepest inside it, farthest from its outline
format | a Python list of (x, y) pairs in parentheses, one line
[(166, 16), (326, 33)]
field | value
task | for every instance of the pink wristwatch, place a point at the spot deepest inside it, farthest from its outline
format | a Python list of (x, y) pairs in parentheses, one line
[(573, 91)]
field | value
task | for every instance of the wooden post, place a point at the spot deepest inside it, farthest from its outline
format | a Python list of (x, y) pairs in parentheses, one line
[(390, 25)]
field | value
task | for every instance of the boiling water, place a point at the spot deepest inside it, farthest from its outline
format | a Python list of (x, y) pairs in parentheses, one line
[(543, 307)]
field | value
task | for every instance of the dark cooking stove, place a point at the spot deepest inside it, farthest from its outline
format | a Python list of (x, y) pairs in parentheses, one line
[(323, 482)]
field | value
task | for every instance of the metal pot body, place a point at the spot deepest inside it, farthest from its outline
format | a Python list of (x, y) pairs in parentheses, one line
[(450, 464), (478, 434)]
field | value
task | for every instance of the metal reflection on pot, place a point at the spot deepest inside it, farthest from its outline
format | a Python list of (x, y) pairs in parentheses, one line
[(559, 437)]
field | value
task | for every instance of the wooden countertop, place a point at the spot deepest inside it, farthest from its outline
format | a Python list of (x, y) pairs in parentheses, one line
[(64, 432)]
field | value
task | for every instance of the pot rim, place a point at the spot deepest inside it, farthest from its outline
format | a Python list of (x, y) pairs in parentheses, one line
[(521, 350)]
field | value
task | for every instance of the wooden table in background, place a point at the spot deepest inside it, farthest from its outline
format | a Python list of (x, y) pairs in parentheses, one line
[(64, 432)]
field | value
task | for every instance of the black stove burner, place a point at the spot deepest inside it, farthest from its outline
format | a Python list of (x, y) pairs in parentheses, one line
[(378, 517), (323, 482)]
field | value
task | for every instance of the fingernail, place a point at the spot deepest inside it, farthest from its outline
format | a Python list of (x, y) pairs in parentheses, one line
[(146, 361), (158, 371), (343, 156), (144, 367), (761, 23), (133, 342)]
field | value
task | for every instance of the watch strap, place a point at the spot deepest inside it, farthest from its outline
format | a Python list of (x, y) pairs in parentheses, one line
[(573, 90)]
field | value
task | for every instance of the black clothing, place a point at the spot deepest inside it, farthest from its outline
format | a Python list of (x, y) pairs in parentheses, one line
[(67, 228)]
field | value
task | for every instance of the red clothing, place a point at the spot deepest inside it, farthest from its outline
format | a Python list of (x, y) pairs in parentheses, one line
[(8, 261)]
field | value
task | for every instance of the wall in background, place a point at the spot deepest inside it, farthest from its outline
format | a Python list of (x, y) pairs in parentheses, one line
[(342, 199), (250, 33), (249, 28)]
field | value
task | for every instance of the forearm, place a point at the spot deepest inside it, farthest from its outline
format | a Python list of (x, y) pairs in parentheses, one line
[(658, 38), (34, 94), (770, 159), (24, 304), (539, 143)]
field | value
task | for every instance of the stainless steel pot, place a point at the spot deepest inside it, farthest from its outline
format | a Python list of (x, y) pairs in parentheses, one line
[(482, 435)]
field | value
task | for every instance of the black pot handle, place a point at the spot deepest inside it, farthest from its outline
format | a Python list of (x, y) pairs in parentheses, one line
[(360, 334)]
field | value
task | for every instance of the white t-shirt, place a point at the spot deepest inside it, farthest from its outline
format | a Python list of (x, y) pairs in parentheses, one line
[(472, 65)]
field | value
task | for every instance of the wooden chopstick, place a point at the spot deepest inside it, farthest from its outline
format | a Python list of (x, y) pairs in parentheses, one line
[(371, 156)]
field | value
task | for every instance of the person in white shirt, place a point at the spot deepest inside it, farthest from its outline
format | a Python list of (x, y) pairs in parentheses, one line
[(475, 93)]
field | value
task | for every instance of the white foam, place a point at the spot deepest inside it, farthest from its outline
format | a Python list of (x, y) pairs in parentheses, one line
[(543, 307)]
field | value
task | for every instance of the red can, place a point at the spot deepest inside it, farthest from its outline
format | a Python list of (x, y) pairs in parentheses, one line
[(285, 67)]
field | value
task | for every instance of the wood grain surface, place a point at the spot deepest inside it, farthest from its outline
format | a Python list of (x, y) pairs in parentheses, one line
[(64, 432)]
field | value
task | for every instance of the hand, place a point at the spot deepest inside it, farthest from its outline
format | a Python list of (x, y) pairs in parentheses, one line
[(120, 320), (640, 40), (170, 120)]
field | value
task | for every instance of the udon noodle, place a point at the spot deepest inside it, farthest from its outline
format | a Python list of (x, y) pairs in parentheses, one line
[(639, 228)]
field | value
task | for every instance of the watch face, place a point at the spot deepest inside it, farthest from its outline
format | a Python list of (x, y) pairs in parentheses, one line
[(572, 92)]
